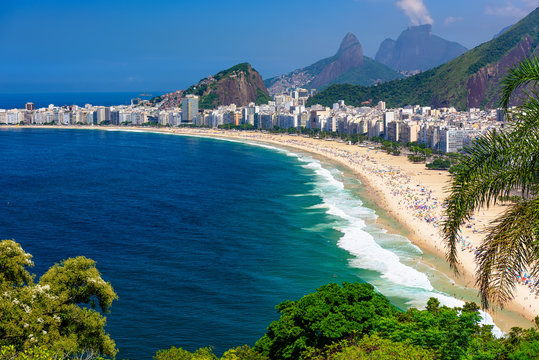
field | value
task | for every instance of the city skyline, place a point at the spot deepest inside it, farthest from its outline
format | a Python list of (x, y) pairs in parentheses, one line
[(58, 46)]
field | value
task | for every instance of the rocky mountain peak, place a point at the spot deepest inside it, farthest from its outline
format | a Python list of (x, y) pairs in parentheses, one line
[(349, 41), (421, 29), (349, 56), (417, 49)]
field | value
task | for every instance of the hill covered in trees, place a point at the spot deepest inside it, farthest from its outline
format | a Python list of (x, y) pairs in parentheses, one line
[(240, 85)]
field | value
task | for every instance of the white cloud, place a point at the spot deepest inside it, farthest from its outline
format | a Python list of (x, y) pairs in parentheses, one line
[(452, 19), (416, 11)]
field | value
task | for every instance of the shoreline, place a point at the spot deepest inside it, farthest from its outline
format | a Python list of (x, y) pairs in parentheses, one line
[(406, 192)]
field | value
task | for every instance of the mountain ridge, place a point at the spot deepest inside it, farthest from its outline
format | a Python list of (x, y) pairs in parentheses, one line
[(347, 63), (417, 49), (470, 80)]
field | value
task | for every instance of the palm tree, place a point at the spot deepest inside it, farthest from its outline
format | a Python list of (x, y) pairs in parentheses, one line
[(498, 164)]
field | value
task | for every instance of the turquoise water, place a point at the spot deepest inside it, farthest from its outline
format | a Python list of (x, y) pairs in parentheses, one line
[(200, 238)]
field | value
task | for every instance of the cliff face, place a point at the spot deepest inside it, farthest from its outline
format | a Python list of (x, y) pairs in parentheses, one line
[(348, 65), (417, 49), (240, 85), (483, 85)]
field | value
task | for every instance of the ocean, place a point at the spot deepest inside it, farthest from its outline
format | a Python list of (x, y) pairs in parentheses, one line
[(200, 238)]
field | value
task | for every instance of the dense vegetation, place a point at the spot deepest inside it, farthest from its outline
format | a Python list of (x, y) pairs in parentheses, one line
[(55, 319), (262, 97), (370, 72), (352, 321), (58, 313), (445, 85)]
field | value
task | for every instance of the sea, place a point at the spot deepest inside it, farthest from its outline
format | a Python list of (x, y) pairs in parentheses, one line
[(201, 238)]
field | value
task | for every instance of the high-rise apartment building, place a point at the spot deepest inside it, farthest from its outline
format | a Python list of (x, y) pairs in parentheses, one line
[(190, 109)]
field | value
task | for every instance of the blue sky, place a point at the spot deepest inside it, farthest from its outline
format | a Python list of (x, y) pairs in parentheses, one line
[(162, 45)]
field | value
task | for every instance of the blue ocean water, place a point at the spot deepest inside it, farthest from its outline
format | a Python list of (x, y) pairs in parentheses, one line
[(200, 238), (17, 101)]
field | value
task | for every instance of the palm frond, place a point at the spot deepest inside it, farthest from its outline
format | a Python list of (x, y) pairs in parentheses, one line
[(527, 71), (496, 164), (510, 248)]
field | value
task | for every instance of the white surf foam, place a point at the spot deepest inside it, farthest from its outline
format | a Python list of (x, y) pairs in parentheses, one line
[(396, 278)]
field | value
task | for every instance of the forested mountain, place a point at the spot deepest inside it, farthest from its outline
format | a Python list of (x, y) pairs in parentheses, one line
[(240, 85)]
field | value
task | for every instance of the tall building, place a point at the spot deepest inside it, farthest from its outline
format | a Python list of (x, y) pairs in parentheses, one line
[(453, 139), (103, 114), (30, 106), (389, 117), (190, 109)]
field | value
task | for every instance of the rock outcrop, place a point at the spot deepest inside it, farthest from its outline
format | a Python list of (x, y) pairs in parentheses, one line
[(240, 85), (348, 65), (417, 49), (349, 56)]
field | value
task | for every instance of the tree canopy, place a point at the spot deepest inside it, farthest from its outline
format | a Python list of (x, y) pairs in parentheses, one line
[(58, 312)]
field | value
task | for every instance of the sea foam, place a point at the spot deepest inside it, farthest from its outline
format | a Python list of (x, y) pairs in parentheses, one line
[(396, 278)]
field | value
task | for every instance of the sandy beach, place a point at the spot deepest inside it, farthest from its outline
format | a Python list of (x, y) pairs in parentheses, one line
[(409, 192)]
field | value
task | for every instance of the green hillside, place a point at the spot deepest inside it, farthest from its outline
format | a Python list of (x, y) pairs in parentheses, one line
[(371, 72), (449, 84)]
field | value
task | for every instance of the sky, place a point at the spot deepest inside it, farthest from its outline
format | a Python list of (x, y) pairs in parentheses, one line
[(167, 45)]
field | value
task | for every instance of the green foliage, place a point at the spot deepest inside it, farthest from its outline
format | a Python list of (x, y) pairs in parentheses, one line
[(496, 164), (49, 313), (417, 158), (239, 353), (243, 67), (180, 354), (370, 348), (243, 353), (439, 164), (33, 353), (522, 343), (13, 263), (369, 73), (353, 322), (262, 97), (210, 101), (448, 331), (156, 99), (330, 314), (236, 127)]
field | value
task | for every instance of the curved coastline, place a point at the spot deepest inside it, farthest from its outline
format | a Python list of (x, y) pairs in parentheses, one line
[(383, 175)]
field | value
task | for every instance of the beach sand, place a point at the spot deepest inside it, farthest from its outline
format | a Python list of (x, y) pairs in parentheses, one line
[(410, 193)]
